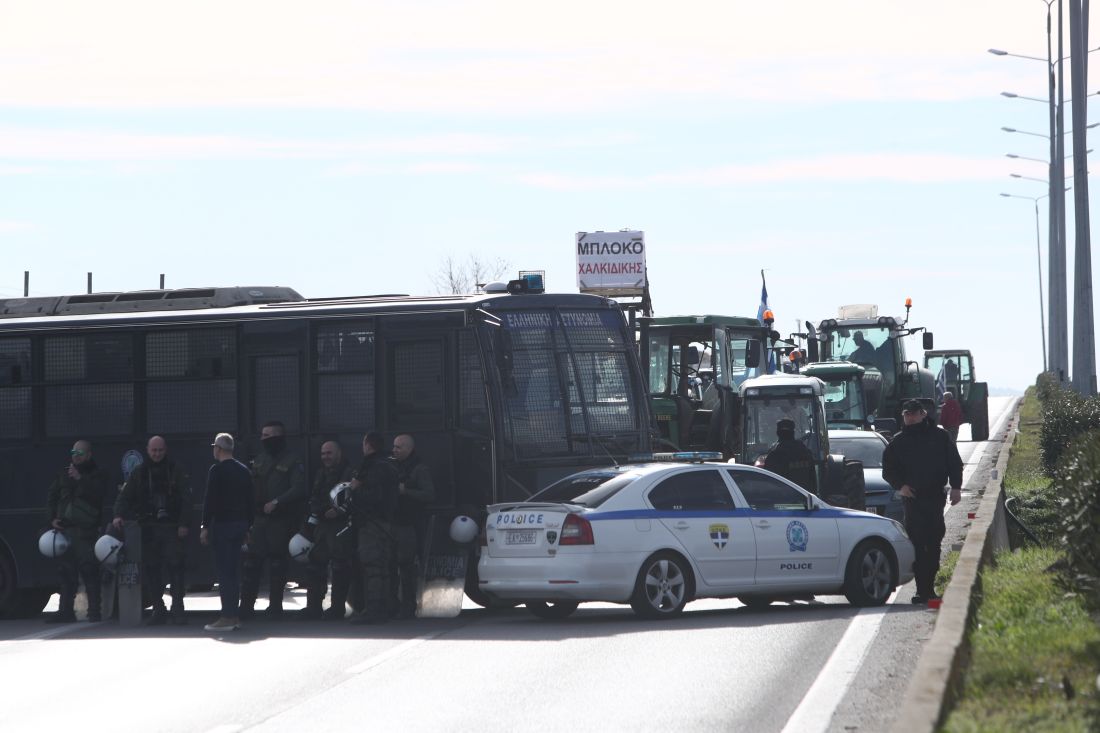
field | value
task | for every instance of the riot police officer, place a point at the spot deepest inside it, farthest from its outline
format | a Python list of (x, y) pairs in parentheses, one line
[(374, 501), (332, 540), (416, 491), (158, 495), (75, 504), (279, 481)]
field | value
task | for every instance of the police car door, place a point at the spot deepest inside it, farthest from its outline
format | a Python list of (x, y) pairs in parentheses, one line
[(696, 506), (793, 546)]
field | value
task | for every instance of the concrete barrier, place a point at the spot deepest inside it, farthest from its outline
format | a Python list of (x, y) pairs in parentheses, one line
[(937, 679)]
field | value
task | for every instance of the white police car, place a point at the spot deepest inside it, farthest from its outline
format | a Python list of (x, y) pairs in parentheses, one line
[(657, 535)]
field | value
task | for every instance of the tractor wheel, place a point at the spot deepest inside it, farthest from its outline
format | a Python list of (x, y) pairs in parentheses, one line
[(979, 420)]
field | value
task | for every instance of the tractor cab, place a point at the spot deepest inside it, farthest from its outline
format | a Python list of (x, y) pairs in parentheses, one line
[(696, 365), (852, 393), (768, 399), (860, 336), (953, 370)]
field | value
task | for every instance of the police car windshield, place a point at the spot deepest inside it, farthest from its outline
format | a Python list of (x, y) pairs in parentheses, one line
[(590, 488), (868, 450)]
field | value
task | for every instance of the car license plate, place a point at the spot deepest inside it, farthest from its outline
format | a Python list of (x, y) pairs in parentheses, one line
[(519, 537)]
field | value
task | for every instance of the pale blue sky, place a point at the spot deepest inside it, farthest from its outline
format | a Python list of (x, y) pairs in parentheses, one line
[(853, 152)]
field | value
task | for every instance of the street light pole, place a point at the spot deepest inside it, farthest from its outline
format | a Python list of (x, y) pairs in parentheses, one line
[(1084, 335), (1056, 258), (1039, 262)]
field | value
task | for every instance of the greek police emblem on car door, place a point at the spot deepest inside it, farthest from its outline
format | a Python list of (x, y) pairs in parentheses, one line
[(797, 536), (719, 535)]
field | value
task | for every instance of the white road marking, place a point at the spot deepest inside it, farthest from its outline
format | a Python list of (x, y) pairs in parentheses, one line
[(821, 700), (391, 653), (816, 710)]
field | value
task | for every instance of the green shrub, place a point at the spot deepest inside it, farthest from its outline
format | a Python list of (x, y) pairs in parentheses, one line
[(1066, 415), (1078, 484)]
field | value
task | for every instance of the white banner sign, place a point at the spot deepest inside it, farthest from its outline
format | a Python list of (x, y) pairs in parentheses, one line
[(611, 263)]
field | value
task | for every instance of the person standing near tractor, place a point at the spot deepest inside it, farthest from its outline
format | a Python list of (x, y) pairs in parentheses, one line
[(917, 463), (951, 415)]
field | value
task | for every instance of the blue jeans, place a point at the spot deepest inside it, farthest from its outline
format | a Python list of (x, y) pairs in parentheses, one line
[(228, 538)]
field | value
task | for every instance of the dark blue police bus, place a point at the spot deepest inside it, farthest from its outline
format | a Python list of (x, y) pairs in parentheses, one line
[(502, 391)]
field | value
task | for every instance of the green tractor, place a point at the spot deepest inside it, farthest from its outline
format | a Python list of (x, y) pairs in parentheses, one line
[(852, 393), (767, 399), (696, 367), (877, 343), (954, 372)]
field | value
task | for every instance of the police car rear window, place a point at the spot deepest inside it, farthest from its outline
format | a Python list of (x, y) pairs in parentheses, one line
[(587, 489)]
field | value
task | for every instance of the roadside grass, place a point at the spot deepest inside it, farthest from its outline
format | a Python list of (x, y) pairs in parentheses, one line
[(1036, 503), (1035, 653), (947, 569), (1034, 650)]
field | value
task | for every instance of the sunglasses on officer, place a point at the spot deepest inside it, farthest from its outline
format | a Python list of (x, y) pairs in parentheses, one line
[(78, 453)]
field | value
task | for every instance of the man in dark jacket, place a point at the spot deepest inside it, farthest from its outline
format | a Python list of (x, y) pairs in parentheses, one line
[(374, 502), (917, 463), (416, 491), (790, 458), (158, 495), (74, 506), (226, 516), (332, 540), (280, 494)]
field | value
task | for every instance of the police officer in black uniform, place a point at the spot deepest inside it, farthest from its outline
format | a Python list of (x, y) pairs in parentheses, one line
[(158, 495), (333, 542), (374, 502), (415, 491), (279, 480), (790, 458), (917, 463), (74, 505)]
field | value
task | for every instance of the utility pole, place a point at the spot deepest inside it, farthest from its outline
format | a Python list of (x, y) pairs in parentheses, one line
[(1084, 335), (1056, 264)]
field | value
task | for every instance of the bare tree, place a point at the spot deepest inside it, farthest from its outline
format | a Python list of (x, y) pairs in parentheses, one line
[(458, 277)]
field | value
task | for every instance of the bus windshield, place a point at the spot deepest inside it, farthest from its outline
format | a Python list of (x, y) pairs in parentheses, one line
[(567, 384)]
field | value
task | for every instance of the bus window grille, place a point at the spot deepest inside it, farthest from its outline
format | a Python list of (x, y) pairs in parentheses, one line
[(89, 410), (15, 412), (277, 391)]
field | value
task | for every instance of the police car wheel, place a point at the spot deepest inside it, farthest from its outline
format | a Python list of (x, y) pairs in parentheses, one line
[(755, 602), (552, 610), (870, 577), (663, 586)]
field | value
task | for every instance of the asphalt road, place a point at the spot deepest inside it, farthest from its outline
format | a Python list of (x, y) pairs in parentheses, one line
[(805, 667)]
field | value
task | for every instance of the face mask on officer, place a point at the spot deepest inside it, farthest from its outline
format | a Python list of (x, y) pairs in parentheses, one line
[(273, 445)]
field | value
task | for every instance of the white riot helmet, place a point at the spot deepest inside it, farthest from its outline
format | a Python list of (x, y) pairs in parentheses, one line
[(341, 497), (299, 547), (53, 543), (463, 529), (107, 550)]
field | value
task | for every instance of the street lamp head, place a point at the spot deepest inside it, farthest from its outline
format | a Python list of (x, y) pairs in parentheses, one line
[(1010, 95), (998, 52), (1009, 129)]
